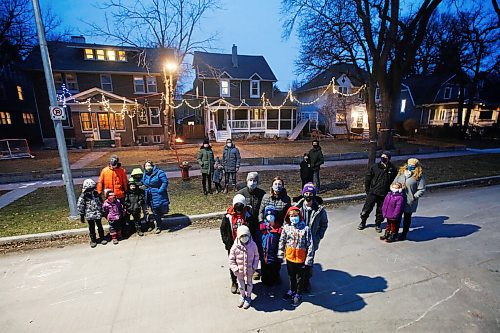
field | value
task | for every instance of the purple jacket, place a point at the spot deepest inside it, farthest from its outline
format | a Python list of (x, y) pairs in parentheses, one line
[(393, 205), (112, 210)]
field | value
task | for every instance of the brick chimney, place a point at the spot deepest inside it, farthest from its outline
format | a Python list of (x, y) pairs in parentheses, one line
[(234, 57), (78, 39)]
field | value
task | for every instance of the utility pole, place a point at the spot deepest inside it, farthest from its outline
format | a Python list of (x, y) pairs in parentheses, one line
[(49, 80)]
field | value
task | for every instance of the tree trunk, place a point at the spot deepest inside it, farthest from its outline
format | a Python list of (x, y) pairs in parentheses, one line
[(470, 105), (372, 121), (385, 139), (460, 111)]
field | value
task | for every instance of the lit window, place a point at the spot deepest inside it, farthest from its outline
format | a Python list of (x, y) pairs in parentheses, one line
[(254, 88), (224, 88), (403, 106), (71, 82), (447, 93), (139, 84), (100, 55), (28, 118), (86, 121), (154, 116), (106, 82), (20, 93), (5, 118), (151, 81), (89, 54), (119, 122), (58, 81), (111, 55), (121, 56)]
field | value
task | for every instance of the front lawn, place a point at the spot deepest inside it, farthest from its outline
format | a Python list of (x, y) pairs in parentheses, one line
[(46, 209)]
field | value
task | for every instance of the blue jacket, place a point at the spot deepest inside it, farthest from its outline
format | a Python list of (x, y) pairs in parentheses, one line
[(156, 185), (231, 159), (270, 243)]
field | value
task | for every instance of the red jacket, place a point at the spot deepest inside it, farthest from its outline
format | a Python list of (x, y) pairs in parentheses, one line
[(113, 179)]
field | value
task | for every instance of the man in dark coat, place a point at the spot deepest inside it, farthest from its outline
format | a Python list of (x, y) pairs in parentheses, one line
[(206, 162), (231, 162), (377, 183), (316, 160)]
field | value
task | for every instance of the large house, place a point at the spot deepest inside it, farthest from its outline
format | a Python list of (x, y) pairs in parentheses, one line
[(239, 96), (111, 94)]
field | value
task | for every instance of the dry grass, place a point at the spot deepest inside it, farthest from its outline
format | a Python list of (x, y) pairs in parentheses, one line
[(44, 160)]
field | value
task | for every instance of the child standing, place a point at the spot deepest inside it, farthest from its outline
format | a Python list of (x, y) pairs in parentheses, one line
[(90, 207), (271, 233), (243, 261), (306, 173), (112, 209), (392, 209), (296, 243), (134, 204), (217, 175)]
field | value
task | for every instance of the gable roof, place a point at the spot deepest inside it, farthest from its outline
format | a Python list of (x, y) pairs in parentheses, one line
[(81, 96), (69, 56), (325, 77), (211, 65), (424, 88)]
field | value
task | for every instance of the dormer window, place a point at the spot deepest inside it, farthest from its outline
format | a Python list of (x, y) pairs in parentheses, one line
[(224, 88), (111, 55), (89, 54), (255, 88), (447, 93), (100, 55), (343, 90)]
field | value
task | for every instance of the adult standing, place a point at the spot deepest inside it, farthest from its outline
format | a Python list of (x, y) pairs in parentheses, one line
[(414, 185), (316, 160), (278, 198), (231, 162), (156, 183), (206, 161), (114, 178), (377, 183), (306, 173), (315, 217)]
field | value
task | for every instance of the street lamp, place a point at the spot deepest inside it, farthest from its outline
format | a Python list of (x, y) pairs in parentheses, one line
[(168, 70)]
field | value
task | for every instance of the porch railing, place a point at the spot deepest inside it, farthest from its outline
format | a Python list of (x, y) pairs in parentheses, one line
[(246, 124)]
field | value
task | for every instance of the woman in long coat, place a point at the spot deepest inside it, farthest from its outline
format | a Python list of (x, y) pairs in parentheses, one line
[(156, 183)]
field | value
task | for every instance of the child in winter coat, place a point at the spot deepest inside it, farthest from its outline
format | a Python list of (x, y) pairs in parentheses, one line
[(112, 209), (271, 233), (236, 215), (306, 173), (134, 204), (243, 261), (296, 246), (90, 207), (392, 209), (217, 175)]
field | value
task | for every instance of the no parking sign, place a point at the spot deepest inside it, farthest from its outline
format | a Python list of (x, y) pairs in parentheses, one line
[(57, 113)]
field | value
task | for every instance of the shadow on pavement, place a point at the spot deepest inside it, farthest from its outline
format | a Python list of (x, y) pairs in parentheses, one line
[(424, 228), (331, 289)]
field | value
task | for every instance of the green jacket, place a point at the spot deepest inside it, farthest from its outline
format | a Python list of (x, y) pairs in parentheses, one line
[(206, 160), (316, 158)]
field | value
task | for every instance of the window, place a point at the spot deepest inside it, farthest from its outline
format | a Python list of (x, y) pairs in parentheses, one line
[(121, 56), (100, 55), (89, 54), (156, 138), (111, 55), (71, 82), (5, 118), (343, 90), (340, 117), (224, 88), (120, 122), (20, 93), (86, 121), (154, 116), (144, 139), (447, 93), (28, 118), (106, 82), (151, 82), (58, 81), (142, 118), (403, 106), (377, 94), (139, 84), (254, 88)]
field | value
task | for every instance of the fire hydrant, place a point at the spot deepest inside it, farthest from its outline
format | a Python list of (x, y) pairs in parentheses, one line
[(185, 170)]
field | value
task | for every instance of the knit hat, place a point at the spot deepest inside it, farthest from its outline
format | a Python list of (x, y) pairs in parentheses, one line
[(206, 142), (309, 187), (136, 172), (269, 210), (386, 153), (253, 175), (413, 161), (239, 198), (287, 218), (242, 230)]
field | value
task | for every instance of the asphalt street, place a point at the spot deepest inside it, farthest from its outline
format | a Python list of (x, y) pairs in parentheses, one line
[(444, 278)]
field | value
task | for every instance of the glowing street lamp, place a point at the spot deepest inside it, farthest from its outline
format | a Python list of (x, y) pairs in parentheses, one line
[(169, 69)]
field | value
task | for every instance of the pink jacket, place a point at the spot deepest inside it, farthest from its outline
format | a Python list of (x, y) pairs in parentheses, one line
[(244, 259)]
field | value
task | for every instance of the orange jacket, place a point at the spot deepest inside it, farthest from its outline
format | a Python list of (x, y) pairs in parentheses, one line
[(113, 179)]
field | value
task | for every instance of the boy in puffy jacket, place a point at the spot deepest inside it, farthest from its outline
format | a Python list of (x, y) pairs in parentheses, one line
[(392, 209), (112, 209), (271, 233), (217, 175), (243, 261), (134, 203), (90, 207), (296, 246)]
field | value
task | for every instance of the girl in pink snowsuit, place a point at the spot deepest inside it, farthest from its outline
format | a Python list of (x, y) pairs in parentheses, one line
[(243, 261)]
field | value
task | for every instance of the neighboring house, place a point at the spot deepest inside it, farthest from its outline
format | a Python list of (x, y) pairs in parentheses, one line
[(338, 114), (239, 97), (111, 94), (18, 113)]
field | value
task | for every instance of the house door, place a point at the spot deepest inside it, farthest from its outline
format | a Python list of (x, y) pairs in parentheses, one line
[(221, 119), (359, 120), (104, 128)]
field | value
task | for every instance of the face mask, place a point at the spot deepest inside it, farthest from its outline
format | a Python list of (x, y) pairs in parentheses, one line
[(308, 198), (294, 220), (306, 159), (384, 160), (244, 239), (229, 144), (394, 190), (148, 168), (411, 167), (238, 208), (277, 187), (252, 184), (270, 218), (206, 146)]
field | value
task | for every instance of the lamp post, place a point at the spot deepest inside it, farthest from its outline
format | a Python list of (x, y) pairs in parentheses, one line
[(168, 71)]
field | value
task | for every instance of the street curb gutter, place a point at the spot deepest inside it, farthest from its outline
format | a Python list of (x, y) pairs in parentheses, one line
[(184, 220)]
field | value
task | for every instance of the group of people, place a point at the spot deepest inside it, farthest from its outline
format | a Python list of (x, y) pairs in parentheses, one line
[(267, 228), (125, 203)]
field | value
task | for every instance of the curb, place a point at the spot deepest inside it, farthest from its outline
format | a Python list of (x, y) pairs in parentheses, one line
[(185, 220)]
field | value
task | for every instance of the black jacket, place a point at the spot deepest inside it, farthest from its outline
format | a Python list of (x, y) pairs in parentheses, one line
[(254, 200), (134, 200), (316, 157), (306, 173), (379, 178)]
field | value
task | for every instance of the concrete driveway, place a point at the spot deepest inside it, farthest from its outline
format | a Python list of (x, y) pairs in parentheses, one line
[(445, 278)]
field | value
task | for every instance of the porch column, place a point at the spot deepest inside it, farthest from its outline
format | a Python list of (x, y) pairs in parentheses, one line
[(249, 121), (279, 121)]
